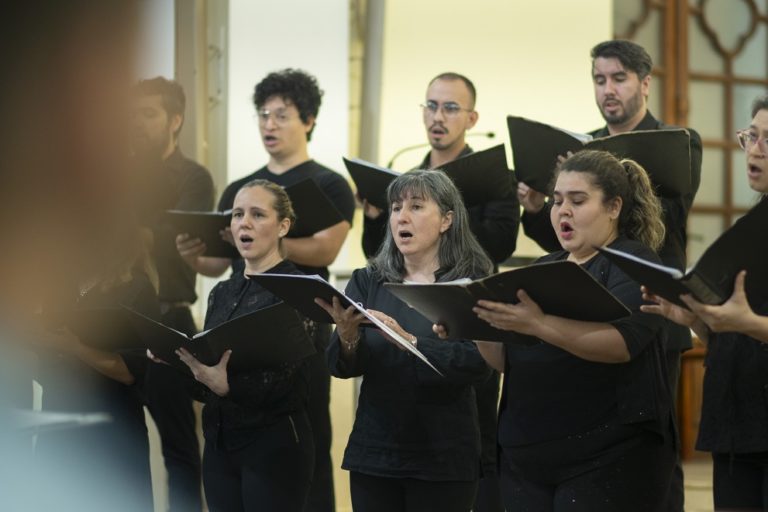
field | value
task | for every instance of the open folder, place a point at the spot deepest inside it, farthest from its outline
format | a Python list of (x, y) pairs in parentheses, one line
[(664, 154), (267, 337), (314, 212), (742, 247), (300, 291), (560, 288), (481, 176)]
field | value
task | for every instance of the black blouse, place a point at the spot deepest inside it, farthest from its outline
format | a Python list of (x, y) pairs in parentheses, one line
[(550, 393), (261, 396), (734, 412), (410, 421)]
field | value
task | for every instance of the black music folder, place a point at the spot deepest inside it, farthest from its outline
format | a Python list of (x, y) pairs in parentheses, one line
[(300, 291), (267, 337), (664, 154), (560, 288), (742, 247), (314, 212), (481, 176), (206, 226)]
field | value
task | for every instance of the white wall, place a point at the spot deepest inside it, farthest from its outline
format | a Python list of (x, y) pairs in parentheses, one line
[(157, 39), (528, 58), (268, 36)]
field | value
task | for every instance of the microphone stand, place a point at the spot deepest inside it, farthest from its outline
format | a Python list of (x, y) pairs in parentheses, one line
[(406, 149)]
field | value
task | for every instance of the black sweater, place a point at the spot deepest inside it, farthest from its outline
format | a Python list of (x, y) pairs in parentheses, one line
[(410, 421), (259, 397), (550, 393)]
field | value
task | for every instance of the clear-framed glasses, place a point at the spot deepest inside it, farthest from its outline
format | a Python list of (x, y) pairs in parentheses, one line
[(280, 116), (748, 138), (448, 109)]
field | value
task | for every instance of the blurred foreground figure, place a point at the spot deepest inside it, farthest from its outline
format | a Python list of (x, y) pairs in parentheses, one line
[(63, 184)]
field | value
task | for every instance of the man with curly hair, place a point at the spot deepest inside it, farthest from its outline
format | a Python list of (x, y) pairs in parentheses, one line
[(287, 104)]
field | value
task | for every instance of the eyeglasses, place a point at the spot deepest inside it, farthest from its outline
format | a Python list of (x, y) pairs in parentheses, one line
[(748, 139), (448, 109), (280, 116)]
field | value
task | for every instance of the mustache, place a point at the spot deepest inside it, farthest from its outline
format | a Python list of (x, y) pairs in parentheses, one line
[(438, 125)]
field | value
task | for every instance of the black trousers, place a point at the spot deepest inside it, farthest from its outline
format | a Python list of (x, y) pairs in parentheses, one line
[(321, 496), (171, 407), (740, 482), (272, 473), (610, 469), (488, 497), (676, 494), (382, 494)]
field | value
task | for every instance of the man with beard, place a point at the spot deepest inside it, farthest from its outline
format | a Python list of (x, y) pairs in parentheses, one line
[(621, 75), (172, 181), (448, 112)]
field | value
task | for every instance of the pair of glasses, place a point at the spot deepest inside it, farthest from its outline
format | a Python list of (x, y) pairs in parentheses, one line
[(748, 139), (280, 116), (448, 109)]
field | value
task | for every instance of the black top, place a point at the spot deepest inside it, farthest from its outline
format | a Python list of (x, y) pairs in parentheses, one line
[(550, 393), (70, 385), (494, 223), (538, 226), (410, 421), (331, 183), (259, 397), (734, 410), (178, 184)]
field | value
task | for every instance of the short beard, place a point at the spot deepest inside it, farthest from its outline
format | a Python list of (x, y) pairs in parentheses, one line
[(631, 107)]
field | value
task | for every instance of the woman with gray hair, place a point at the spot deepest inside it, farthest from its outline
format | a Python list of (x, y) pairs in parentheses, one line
[(415, 444)]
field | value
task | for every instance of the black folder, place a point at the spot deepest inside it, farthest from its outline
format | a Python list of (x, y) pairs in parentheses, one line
[(481, 176), (664, 154), (267, 337), (207, 227), (560, 288), (742, 247), (314, 212), (300, 291)]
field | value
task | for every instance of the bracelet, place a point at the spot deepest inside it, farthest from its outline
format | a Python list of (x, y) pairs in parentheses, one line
[(350, 345)]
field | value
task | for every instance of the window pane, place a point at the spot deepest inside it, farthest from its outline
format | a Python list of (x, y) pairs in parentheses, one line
[(712, 170), (703, 57), (753, 59), (703, 229), (728, 19), (743, 96), (649, 37), (624, 13), (706, 109)]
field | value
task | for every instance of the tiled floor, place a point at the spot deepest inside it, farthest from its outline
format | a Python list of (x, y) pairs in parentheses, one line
[(698, 486)]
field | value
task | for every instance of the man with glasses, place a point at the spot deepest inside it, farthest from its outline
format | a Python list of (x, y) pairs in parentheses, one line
[(287, 104), (448, 112), (621, 75)]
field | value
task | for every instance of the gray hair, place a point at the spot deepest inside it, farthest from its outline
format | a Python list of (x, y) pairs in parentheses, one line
[(459, 253)]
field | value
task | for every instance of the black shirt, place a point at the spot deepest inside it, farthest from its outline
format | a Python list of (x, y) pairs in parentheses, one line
[(734, 411), (494, 224), (178, 184), (333, 185), (410, 421), (550, 393), (259, 397), (539, 228)]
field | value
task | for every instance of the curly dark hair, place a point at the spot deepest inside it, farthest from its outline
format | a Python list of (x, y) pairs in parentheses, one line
[(760, 103), (294, 85), (631, 55)]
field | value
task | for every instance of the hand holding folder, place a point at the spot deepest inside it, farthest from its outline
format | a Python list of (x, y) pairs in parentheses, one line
[(664, 154), (742, 247), (560, 288), (267, 337), (300, 292)]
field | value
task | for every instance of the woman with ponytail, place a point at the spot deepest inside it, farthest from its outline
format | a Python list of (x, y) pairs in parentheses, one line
[(585, 419)]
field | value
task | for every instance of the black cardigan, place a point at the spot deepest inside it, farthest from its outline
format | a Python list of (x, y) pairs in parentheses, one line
[(410, 421), (259, 397)]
